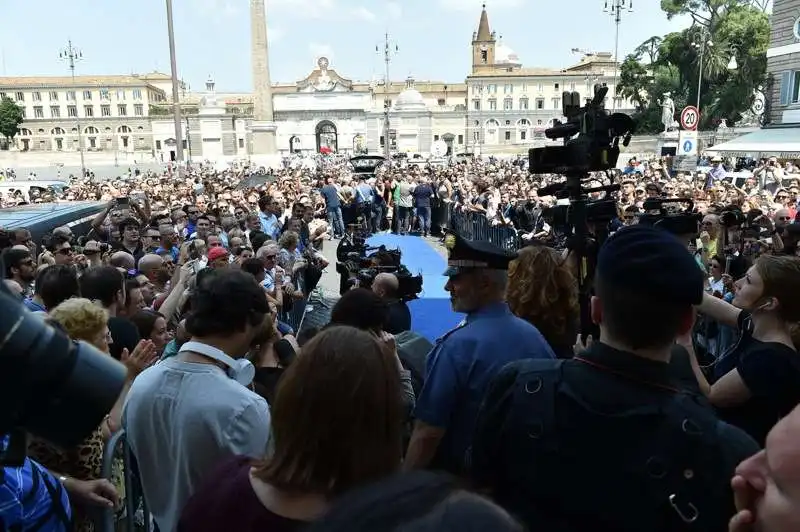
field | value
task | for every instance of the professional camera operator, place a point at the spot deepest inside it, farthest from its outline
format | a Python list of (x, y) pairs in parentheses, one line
[(386, 285)]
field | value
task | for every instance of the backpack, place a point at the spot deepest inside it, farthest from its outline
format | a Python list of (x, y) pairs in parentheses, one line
[(568, 467)]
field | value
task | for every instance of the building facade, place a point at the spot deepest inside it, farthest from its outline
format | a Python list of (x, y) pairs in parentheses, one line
[(110, 112), (509, 106), (783, 63)]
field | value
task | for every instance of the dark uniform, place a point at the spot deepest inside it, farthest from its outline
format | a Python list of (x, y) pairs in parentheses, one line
[(606, 441), (463, 361)]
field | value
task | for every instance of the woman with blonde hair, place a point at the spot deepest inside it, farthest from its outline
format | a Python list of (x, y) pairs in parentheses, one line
[(543, 291), (758, 378), (83, 320)]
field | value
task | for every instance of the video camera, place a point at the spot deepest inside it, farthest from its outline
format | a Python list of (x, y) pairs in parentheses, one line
[(591, 138), (50, 386), (359, 269), (667, 214)]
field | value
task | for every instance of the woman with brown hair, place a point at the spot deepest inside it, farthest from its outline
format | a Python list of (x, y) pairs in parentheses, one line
[(543, 291), (758, 378), (336, 424)]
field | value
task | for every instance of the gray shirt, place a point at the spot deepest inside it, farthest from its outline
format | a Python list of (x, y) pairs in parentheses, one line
[(183, 418), (405, 199)]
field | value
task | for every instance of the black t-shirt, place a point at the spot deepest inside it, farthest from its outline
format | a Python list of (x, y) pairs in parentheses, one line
[(771, 372), (124, 335), (399, 318)]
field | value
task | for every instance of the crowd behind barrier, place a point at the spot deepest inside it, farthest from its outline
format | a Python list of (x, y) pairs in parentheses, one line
[(476, 226)]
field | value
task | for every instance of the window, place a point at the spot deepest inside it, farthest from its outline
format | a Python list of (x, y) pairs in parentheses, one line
[(92, 142), (508, 88), (20, 96), (436, 137), (87, 95), (55, 111), (122, 109), (461, 139), (138, 109), (556, 103), (538, 122), (241, 143), (22, 111), (508, 104), (71, 96), (508, 135), (121, 94), (523, 135), (59, 144), (440, 101), (484, 56), (104, 94), (540, 87), (523, 104), (38, 112), (137, 94), (105, 110), (88, 110), (540, 103), (158, 144), (491, 89), (555, 86), (508, 122), (125, 142), (493, 105), (72, 111), (53, 96), (37, 96), (524, 87), (2, 95), (476, 104)]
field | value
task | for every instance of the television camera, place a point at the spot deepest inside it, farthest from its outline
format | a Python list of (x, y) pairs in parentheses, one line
[(669, 215), (591, 137), (359, 264)]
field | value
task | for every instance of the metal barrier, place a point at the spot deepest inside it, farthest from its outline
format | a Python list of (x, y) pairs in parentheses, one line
[(294, 316), (475, 226), (133, 488)]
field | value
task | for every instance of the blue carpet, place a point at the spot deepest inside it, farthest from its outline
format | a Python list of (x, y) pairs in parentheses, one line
[(431, 315)]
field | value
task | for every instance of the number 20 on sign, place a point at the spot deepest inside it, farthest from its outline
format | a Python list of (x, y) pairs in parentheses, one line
[(690, 116)]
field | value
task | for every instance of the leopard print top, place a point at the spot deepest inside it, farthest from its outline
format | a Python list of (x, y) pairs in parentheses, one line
[(83, 462)]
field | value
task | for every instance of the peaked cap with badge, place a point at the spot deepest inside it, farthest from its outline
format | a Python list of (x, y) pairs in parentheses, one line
[(465, 255)]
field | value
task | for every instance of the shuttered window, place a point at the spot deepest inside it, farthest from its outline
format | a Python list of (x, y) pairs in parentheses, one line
[(786, 80)]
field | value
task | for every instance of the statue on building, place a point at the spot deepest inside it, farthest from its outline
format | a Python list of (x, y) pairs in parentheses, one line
[(754, 116), (668, 113), (324, 82)]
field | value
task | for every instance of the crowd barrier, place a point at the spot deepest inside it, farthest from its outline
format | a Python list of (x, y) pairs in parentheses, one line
[(475, 226), (118, 445)]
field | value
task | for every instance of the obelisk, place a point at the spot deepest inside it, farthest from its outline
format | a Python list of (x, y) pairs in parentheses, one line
[(263, 126)]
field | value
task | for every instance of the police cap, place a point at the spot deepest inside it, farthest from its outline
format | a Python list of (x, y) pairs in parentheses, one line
[(651, 262), (464, 255)]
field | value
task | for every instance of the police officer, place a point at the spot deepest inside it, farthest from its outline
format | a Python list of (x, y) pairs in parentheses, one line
[(461, 364), (606, 441)]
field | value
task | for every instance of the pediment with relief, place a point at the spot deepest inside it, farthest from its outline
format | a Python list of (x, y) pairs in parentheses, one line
[(322, 79)]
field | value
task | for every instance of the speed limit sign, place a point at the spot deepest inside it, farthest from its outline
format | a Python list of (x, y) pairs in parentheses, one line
[(690, 117)]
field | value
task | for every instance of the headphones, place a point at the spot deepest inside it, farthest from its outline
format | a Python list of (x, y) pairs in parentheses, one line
[(241, 370)]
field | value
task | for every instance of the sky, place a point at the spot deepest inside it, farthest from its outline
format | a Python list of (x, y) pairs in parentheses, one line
[(212, 37)]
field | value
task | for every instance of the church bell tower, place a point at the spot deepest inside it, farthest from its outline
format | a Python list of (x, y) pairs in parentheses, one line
[(483, 46)]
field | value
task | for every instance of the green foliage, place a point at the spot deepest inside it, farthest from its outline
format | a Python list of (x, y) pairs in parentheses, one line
[(10, 118), (738, 28)]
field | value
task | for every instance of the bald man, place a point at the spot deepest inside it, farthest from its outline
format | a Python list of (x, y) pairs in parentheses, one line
[(123, 260), (386, 286)]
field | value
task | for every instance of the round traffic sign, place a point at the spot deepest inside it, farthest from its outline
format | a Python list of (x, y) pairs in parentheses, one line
[(690, 117), (687, 146)]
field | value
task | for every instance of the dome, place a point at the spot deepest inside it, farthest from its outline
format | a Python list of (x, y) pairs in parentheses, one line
[(410, 99), (503, 55)]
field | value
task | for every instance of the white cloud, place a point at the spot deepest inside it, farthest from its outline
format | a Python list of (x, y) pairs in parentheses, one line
[(475, 5), (362, 13), (393, 10), (318, 50)]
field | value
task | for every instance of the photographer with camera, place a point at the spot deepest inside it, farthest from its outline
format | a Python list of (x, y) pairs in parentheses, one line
[(387, 287)]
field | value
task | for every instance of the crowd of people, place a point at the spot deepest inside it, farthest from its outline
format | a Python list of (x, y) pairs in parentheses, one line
[(677, 413)]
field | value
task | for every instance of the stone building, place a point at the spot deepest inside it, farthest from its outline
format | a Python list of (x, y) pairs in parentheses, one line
[(783, 63)]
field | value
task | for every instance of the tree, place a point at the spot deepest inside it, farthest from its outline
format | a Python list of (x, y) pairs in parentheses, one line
[(10, 119), (721, 29)]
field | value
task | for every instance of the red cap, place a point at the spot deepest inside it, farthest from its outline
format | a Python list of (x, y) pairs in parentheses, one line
[(217, 252)]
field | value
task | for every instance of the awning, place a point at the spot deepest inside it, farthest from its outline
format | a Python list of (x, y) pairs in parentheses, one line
[(783, 143)]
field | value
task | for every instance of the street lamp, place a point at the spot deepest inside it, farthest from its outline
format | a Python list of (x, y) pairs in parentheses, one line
[(700, 42), (615, 8), (176, 104), (71, 55)]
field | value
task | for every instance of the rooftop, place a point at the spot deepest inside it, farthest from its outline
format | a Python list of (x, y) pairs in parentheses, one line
[(33, 82)]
